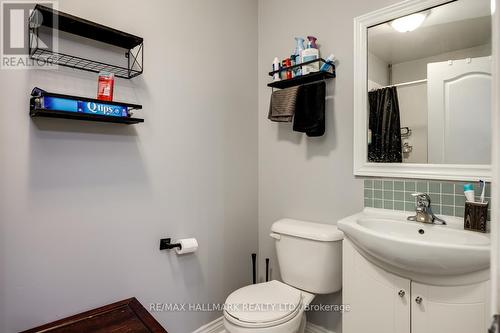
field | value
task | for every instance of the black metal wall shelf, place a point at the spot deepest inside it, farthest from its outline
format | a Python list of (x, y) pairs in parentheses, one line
[(37, 111), (43, 16), (303, 79), (83, 116)]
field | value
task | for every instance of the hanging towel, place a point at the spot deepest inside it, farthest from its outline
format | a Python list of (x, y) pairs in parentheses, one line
[(282, 106), (310, 109)]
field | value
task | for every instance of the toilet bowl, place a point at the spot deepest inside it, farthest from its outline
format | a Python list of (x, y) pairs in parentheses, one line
[(309, 256), (270, 307)]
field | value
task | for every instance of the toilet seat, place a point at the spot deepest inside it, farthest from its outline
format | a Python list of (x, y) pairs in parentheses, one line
[(263, 305)]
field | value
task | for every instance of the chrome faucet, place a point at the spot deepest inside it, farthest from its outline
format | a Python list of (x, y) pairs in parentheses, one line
[(423, 210)]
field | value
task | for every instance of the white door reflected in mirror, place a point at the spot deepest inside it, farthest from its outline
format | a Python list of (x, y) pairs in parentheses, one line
[(459, 118)]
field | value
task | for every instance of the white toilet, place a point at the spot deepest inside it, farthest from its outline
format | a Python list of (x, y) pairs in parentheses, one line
[(310, 261)]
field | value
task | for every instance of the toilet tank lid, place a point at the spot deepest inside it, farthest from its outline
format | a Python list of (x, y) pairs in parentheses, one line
[(309, 230)]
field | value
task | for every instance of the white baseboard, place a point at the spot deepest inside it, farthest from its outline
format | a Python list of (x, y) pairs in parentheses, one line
[(313, 328), (217, 326)]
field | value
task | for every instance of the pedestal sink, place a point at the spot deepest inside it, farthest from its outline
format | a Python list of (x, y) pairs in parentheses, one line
[(423, 252)]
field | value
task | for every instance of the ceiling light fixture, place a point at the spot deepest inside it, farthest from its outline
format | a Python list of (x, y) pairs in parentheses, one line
[(409, 23)]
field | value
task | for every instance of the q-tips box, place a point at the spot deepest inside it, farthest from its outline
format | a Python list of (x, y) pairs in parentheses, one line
[(71, 105)]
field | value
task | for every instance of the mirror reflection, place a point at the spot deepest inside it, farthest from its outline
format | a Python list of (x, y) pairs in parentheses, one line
[(429, 86)]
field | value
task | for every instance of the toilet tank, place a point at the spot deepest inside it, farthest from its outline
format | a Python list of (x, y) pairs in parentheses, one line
[(309, 255)]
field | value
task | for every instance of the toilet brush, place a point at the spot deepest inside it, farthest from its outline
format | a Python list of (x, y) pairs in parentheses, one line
[(267, 269), (254, 268)]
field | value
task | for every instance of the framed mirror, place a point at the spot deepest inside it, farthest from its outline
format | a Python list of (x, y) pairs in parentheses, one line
[(422, 94)]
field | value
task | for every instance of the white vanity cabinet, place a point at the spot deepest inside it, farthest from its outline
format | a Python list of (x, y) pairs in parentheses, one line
[(450, 308), (381, 302)]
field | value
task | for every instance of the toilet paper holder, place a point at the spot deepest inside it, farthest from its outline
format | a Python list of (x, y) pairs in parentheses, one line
[(166, 244)]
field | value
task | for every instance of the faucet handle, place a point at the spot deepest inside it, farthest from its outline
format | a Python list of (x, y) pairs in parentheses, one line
[(424, 210), (423, 199)]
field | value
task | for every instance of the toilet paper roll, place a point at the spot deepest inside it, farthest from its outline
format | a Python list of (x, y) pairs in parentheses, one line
[(188, 245)]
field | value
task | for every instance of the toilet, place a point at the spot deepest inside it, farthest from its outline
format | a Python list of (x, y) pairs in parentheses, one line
[(310, 261)]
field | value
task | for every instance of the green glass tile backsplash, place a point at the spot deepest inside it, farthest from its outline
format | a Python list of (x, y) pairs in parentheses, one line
[(447, 197)]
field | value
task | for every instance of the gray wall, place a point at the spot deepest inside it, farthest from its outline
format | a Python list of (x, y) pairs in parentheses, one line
[(300, 177), (378, 72), (83, 205)]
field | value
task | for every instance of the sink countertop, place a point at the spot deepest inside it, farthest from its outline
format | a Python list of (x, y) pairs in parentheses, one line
[(428, 253)]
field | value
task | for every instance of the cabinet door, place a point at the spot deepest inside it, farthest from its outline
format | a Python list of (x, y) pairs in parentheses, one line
[(450, 309), (378, 300)]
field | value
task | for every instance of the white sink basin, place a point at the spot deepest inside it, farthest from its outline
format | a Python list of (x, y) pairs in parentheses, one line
[(425, 249)]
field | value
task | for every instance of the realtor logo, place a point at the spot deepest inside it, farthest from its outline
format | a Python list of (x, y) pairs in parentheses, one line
[(18, 22)]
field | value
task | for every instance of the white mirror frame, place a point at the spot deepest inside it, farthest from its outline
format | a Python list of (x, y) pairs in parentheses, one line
[(392, 170)]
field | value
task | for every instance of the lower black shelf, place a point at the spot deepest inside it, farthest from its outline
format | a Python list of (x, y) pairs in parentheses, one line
[(84, 116), (303, 79)]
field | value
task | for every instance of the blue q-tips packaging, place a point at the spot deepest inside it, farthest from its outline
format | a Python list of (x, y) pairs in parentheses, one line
[(70, 105), (103, 109)]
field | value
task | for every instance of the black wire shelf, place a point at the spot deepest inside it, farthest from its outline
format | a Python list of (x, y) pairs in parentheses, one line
[(43, 16), (37, 110), (303, 79), (50, 57)]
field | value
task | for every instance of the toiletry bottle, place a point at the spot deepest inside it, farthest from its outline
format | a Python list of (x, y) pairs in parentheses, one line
[(283, 72), (469, 192), (310, 53), (288, 72), (293, 60), (327, 65), (299, 47), (276, 66), (105, 86), (313, 40)]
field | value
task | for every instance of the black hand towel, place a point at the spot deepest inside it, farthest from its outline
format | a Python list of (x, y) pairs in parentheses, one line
[(310, 109)]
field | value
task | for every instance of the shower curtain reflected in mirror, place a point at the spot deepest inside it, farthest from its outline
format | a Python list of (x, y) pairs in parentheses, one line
[(384, 144)]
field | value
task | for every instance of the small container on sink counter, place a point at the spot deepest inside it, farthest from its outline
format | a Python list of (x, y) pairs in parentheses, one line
[(476, 216)]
